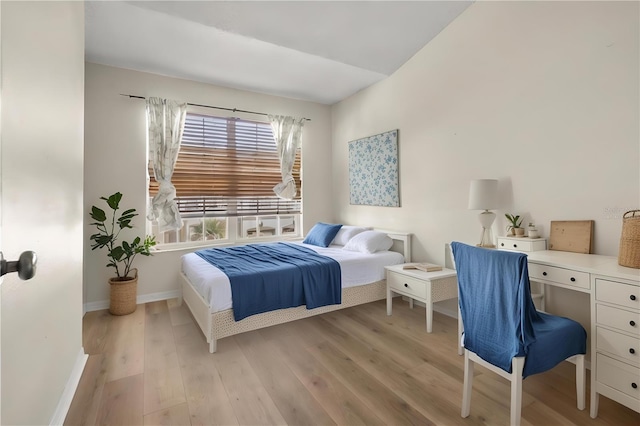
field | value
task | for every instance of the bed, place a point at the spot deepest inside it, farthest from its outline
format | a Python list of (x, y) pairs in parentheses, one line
[(207, 293)]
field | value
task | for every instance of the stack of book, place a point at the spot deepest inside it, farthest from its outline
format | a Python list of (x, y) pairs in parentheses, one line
[(427, 267)]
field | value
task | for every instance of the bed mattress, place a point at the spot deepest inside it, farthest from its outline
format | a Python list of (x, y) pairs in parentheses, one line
[(355, 268)]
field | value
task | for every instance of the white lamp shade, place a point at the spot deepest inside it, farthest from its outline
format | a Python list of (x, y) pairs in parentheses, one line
[(483, 194)]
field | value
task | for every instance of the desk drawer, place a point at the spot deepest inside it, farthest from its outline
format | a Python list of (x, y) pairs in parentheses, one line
[(409, 286), (521, 244), (618, 344), (618, 375), (618, 293), (618, 318), (560, 275)]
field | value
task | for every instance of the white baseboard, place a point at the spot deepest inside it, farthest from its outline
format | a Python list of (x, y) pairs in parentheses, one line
[(144, 298), (70, 389)]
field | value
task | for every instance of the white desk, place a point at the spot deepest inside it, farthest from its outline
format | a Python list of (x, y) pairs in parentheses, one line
[(614, 293)]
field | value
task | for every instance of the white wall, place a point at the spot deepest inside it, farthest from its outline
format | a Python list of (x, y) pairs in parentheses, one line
[(42, 148), (115, 158), (540, 95)]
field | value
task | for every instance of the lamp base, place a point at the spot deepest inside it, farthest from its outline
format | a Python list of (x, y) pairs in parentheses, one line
[(486, 239), (486, 220)]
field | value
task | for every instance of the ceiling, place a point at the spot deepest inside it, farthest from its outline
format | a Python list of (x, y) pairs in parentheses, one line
[(319, 51)]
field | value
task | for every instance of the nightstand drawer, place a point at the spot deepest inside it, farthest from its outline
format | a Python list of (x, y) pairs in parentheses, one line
[(618, 293), (618, 344), (560, 275), (618, 318), (522, 244), (618, 375), (409, 286)]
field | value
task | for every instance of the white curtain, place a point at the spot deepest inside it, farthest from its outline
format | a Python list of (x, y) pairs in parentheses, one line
[(287, 132), (165, 121)]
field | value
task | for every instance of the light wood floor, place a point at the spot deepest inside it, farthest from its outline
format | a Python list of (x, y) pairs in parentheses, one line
[(352, 367)]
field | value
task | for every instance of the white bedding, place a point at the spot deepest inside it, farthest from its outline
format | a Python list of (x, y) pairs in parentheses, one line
[(356, 269)]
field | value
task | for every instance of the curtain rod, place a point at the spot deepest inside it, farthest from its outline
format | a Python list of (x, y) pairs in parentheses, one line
[(214, 107)]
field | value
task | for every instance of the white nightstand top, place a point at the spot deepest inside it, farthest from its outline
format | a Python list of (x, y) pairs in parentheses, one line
[(416, 273)]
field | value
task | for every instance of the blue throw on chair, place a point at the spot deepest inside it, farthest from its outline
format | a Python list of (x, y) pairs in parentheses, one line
[(500, 320)]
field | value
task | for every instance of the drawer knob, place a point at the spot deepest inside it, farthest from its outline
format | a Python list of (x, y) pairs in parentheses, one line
[(544, 273), (406, 285), (573, 280), (632, 323), (632, 351), (634, 385), (632, 297), (515, 246), (501, 244)]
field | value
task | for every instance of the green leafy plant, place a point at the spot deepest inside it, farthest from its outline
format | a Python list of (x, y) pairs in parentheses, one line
[(514, 220), (121, 255)]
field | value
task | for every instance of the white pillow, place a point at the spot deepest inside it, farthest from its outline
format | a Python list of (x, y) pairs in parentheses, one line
[(346, 233), (369, 242)]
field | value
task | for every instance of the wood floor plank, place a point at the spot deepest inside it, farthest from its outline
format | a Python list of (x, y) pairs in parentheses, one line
[(95, 331), (379, 337), (163, 386), (382, 365), (86, 401), (163, 389), (438, 388), (206, 395), (178, 415), (179, 312), (340, 403), (251, 401), (301, 332), (124, 348), (295, 403), (160, 348), (357, 366), (382, 401), (122, 402), (338, 400)]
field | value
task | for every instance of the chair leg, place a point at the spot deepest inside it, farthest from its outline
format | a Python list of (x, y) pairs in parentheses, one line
[(580, 381), (466, 388), (517, 365)]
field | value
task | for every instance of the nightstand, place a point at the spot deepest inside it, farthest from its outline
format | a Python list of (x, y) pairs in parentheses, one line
[(426, 287)]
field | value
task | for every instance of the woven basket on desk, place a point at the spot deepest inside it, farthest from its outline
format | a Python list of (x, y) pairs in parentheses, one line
[(123, 295), (629, 254)]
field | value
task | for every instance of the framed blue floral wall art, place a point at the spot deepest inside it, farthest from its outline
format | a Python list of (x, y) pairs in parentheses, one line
[(373, 170)]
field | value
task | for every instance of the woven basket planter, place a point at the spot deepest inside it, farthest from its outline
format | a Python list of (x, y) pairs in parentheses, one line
[(123, 295), (629, 254)]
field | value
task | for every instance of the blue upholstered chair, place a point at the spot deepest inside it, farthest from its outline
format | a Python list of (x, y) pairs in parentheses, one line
[(502, 329)]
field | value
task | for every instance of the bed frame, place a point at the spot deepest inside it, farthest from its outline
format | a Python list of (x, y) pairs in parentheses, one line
[(221, 324)]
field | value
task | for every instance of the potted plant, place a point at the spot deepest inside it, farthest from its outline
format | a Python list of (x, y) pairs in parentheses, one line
[(514, 227), (123, 287)]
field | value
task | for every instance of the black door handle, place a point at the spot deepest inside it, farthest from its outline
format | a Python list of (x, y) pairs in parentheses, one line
[(25, 266)]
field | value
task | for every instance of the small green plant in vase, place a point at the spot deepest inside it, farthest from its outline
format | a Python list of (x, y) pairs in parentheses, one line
[(121, 254), (514, 225)]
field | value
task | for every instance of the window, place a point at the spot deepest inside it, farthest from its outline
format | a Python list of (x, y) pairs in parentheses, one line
[(224, 178)]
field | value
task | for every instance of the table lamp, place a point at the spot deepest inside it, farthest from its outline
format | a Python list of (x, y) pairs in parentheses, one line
[(483, 196)]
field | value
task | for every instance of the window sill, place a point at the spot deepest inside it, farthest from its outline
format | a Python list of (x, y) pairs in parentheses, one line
[(174, 247)]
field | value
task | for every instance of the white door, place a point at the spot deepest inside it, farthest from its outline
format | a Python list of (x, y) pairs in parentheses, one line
[(41, 139)]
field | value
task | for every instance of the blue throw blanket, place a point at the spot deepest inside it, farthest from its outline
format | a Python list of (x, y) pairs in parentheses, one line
[(266, 277), (499, 317)]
